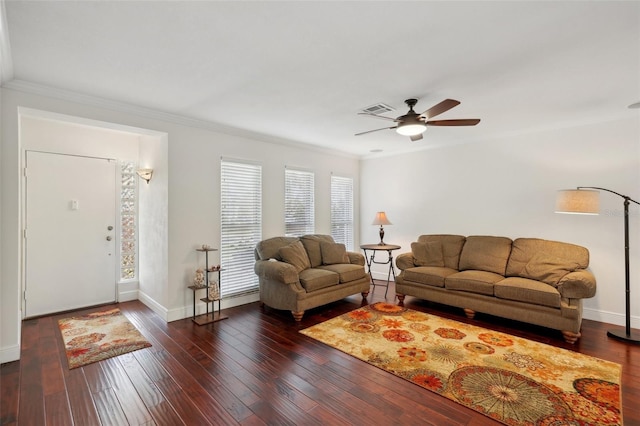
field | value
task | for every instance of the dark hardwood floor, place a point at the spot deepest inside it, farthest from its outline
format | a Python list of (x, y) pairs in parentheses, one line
[(252, 369)]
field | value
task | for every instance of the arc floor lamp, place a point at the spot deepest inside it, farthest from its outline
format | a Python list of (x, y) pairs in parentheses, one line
[(585, 200)]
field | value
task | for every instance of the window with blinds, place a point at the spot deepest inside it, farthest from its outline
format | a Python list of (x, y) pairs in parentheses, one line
[(241, 227), (298, 203), (342, 210)]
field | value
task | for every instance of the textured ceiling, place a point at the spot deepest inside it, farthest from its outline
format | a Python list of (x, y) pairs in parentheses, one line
[(300, 71)]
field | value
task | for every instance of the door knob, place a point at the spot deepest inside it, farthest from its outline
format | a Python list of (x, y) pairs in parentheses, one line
[(109, 238)]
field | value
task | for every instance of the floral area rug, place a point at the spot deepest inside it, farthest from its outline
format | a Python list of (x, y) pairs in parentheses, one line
[(99, 336), (512, 380)]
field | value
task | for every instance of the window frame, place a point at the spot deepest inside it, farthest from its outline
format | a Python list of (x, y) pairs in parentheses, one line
[(239, 279), (299, 193)]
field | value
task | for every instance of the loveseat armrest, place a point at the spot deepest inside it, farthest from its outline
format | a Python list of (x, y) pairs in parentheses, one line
[(276, 271), (355, 258), (580, 284), (404, 261)]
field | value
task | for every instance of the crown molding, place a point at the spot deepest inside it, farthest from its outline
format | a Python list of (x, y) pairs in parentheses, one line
[(69, 96)]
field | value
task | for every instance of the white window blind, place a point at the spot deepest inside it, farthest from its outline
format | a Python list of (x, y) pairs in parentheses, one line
[(241, 227), (298, 203), (342, 210)]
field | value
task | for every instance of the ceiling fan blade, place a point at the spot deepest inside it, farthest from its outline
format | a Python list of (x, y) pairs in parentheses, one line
[(460, 122), (416, 137), (377, 116), (376, 130), (438, 109)]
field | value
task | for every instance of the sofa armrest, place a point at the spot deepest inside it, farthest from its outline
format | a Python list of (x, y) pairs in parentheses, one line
[(579, 284), (276, 271), (355, 258), (405, 261)]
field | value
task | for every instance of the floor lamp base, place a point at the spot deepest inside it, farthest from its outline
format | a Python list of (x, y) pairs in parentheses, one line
[(633, 337)]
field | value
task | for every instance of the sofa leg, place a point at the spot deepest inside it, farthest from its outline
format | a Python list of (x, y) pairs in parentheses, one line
[(297, 315), (400, 299), (571, 337), (365, 294), (469, 313)]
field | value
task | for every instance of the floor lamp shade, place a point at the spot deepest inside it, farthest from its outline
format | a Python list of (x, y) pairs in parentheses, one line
[(578, 201), (584, 200), (381, 219)]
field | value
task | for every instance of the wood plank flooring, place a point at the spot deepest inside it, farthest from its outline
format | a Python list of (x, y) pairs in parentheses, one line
[(251, 369)]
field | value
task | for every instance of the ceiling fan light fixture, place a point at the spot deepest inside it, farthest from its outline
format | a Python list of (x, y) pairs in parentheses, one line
[(411, 129)]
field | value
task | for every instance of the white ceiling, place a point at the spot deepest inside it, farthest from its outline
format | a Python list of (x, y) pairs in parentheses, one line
[(300, 71)]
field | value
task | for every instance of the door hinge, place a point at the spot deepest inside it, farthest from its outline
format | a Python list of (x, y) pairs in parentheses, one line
[(24, 233), (24, 295), (24, 172)]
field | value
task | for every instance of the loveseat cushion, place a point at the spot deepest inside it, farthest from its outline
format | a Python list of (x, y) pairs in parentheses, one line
[(485, 253), (295, 254), (472, 281), (548, 268), (523, 249), (315, 279), (333, 253), (312, 245), (451, 247), (428, 253), (268, 249), (527, 291), (428, 275), (346, 272)]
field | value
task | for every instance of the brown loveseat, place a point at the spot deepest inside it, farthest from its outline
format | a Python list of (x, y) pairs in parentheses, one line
[(297, 274), (528, 279)]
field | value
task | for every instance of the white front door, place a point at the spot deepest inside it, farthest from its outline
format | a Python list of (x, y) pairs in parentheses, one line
[(70, 232)]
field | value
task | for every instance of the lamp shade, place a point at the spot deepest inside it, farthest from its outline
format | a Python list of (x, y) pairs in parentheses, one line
[(577, 201), (381, 219)]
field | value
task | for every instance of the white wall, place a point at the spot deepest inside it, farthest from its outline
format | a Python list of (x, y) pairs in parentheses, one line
[(507, 187), (191, 175)]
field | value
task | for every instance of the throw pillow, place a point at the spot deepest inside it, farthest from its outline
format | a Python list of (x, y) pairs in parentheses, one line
[(295, 254), (333, 253), (428, 253), (548, 268)]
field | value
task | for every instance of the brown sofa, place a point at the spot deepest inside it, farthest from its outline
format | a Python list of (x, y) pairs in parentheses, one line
[(297, 274), (527, 279)]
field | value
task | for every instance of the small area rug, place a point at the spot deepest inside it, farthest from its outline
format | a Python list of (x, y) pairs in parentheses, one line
[(97, 336), (510, 379)]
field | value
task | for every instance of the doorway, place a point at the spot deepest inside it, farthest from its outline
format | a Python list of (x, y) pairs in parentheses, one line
[(70, 232)]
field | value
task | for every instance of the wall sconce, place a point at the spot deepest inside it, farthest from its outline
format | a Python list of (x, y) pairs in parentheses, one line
[(145, 174), (381, 219)]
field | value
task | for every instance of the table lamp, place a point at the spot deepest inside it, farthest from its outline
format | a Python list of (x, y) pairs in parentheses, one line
[(381, 219)]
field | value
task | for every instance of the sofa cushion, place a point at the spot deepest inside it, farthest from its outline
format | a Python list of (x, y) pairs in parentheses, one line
[(523, 249), (480, 282), (548, 268), (527, 291), (346, 271), (451, 247), (485, 253), (268, 249), (333, 253), (312, 245), (427, 253), (428, 275), (313, 279), (295, 254)]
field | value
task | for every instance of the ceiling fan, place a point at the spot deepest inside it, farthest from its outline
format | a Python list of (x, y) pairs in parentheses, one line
[(413, 124)]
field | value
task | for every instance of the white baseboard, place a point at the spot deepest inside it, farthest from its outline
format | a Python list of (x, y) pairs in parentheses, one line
[(10, 353), (153, 305), (610, 317), (201, 308), (127, 296)]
